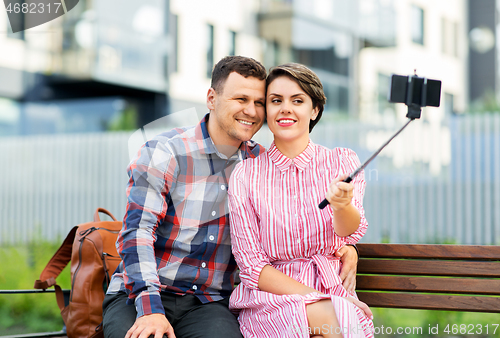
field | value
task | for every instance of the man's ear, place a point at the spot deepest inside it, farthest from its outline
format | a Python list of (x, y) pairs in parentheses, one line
[(211, 95)]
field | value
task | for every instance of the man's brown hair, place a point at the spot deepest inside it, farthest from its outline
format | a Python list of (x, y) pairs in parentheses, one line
[(242, 65), (307, 80)]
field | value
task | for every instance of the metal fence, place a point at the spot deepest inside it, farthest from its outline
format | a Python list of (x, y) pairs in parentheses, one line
[(435, 183)]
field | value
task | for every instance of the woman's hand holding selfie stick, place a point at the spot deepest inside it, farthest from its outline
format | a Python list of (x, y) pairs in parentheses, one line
[(415, 92)]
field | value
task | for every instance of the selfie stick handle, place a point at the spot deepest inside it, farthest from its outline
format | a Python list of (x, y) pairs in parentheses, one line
[(325, 202)]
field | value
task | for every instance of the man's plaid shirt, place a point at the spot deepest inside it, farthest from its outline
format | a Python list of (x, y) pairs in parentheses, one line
[(175, 235)]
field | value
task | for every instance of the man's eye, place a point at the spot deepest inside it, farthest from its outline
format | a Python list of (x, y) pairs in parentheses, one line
[(260, 104)]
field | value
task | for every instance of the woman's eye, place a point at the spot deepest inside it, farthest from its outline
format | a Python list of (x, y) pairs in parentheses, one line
[(297, 101), (275, 100)]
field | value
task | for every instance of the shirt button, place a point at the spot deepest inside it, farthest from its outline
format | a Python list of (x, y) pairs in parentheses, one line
[(296, 215), (295, 196), (213, 213), (195, 287), (223, 187), (293, 174), (203, 265), (211, 237)]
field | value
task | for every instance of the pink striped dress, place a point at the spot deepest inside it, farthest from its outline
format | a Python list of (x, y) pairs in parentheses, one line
[(275, 219)]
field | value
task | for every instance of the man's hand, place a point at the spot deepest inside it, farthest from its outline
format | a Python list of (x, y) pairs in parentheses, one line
[(154, 324), (349, 258)]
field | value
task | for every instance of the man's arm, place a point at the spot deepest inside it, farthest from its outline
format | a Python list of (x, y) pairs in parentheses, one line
[(151, 180), (349, 258)]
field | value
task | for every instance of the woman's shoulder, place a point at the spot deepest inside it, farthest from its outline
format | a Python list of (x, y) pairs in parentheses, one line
[(338, 152), (251, 164)]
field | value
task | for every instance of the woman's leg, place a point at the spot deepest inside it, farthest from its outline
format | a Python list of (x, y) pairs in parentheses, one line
[(323, 320), (335, 317)]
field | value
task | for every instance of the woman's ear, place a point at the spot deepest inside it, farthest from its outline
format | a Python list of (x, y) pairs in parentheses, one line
[(211, 95), (315, 113)]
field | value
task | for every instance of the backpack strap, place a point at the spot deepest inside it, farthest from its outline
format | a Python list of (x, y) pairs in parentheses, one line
[(104, 211), (55, 266)]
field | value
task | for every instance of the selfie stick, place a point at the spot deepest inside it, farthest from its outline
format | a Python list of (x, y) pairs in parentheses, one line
[(416, 93), (325, 202)]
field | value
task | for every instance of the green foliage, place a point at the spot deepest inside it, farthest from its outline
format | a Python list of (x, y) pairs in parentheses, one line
[(488, 103), (20, 267), (126, 120)]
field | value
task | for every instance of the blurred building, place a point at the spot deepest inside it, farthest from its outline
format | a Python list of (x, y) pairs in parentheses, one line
[(100, 66), (202, 33), (323, 35), (117, 65), (484, 52), (431, 40)]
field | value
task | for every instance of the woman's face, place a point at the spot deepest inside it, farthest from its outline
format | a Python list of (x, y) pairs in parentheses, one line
[(289, 110)]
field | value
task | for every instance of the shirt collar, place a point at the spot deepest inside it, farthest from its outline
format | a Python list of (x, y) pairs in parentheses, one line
[(283, 162), (206, 145)]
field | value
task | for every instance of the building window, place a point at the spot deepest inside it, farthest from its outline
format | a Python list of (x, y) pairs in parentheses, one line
[(325, 59), (337, 102), (232, 43), (448, 104), (385, 108), (417, 25), (210, 50), (449, 37), (276, 53), (174, 33)]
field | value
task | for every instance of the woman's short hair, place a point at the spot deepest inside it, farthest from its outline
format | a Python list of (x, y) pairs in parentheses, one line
[(307, 80)]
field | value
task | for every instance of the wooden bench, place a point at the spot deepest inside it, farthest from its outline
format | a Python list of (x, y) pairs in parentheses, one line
[(432, 277), (61, 333)]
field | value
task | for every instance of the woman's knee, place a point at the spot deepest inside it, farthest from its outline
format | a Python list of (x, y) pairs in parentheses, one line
[(321, 311)]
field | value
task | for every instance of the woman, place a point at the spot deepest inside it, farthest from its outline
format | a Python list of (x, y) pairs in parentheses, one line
[(283, 243)]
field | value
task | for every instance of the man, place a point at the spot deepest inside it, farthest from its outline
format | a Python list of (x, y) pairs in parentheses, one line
[(177, 266)]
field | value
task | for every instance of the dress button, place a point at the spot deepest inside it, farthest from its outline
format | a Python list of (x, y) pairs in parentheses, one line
[(211, 237), (195, 287), (298, 241), (223, 187), (203, 265), (213, 213)]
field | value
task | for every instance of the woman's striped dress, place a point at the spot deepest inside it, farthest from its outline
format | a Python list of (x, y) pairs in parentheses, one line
[(275, 220)]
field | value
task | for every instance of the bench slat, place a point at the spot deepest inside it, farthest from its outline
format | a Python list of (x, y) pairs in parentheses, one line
[(431, 302), (429, 284), (429, 268), (444, 251)]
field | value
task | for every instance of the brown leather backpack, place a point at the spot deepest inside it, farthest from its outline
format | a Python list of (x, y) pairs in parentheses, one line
[(92, 251)]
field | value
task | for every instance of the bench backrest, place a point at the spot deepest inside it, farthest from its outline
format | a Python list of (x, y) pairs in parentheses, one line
[(436, 277)]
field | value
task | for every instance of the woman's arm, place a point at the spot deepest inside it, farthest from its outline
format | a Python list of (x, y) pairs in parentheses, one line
[(246, 241), (346, 217), (275, 281)]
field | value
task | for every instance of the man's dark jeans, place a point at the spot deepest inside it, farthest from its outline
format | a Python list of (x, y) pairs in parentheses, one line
[(189, 317)]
